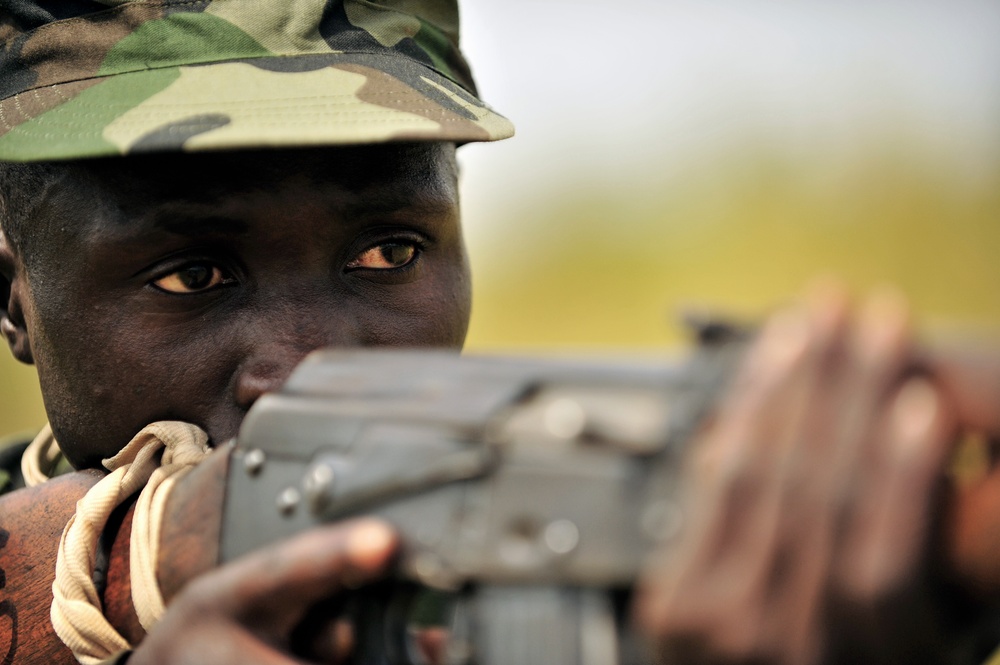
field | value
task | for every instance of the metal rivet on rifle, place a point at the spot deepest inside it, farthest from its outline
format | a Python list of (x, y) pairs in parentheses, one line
[(254, 460), (564, 418), (430, 570), (288, 500), (661, 520), (426, 565), (561, 536), (318, 485)]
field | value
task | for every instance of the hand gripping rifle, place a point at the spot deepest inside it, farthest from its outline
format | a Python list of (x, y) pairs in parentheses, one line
[(530, 490)]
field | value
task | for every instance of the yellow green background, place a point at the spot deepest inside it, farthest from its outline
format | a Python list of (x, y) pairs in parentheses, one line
[(588, 268), (718, 156)]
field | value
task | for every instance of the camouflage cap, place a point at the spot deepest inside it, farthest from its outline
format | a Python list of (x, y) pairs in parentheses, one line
[(90, 78)]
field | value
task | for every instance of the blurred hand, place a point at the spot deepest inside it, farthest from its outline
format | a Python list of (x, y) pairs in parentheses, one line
[(812, 501), (260, 609)]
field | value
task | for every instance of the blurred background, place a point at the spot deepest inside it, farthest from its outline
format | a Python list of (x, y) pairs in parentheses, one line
[(718, 154), (721, 153)]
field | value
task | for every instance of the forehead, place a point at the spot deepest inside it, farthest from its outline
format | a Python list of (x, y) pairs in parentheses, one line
[(203, 177), (103, 195)]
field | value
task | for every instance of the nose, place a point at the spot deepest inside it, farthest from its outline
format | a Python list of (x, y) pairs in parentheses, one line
[(277, 343)]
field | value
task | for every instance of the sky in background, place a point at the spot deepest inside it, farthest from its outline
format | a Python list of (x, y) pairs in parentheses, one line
[(624, 89), (663, 120)]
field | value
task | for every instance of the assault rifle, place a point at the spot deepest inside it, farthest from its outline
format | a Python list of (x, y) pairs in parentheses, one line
[(529, 491)]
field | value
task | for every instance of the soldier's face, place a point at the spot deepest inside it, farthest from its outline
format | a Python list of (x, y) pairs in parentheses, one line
[(183, 287)]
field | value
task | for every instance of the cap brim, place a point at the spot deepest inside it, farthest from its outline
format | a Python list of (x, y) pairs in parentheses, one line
[(308, 100)]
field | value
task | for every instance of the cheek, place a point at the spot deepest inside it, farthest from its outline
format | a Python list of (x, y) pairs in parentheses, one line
[(84, 393), (106, 375), (107, 369), (454, 306), (434, 312)]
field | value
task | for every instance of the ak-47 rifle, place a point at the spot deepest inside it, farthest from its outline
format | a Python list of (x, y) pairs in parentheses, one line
[(529, 490)]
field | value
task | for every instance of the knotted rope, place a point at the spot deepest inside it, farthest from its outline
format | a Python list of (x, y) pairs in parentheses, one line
[(40, 458), (77, 614)]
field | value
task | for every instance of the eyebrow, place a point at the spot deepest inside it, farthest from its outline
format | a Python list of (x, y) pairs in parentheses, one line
[(196, 225), (389, 205)]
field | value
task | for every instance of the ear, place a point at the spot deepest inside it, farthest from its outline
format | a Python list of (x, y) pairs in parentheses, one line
[(13, 289)]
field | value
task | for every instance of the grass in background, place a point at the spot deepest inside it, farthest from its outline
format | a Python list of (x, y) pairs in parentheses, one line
[(598, 268), (20, 400)]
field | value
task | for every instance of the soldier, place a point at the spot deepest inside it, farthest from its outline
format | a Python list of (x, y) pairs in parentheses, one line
[(194, 196)]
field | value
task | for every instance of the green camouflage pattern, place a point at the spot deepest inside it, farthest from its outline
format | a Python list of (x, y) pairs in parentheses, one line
[(92, 78)]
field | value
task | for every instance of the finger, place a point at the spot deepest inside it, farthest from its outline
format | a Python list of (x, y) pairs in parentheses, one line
[(723, 570), (799, 351), (274, 587), (781, 346), (886, 539), (832, 467), (830, 405), (712, 493), (825, 473), (840, 433), (781, 440), (970, 377), (185, 636), (722, 489), (881, 349)]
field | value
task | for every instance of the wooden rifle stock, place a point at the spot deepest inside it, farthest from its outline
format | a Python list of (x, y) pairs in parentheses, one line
[(31, 523)]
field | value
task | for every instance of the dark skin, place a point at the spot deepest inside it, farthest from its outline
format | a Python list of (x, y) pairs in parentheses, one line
[(152, 298), (183, 287), (823, 527)]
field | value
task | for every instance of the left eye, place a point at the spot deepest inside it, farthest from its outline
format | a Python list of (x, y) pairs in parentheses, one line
[(194, 278), (385, 256)]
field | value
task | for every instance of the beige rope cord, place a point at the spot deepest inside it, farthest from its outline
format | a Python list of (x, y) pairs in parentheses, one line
[(77, 615), (40, 458)]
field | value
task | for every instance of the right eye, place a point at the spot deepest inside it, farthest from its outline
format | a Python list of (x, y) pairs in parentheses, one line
[(387, 256), (194, 278)]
